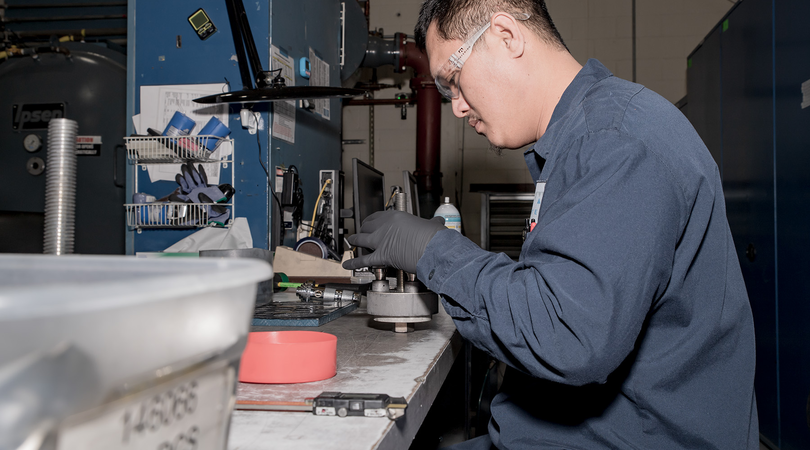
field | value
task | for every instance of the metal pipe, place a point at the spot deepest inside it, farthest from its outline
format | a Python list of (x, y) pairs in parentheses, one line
[(401, 204), (428, 127), (73, 32), (428, 149), (63, 18), (33, 51), (63, 5), (428, 112), (381, 52)]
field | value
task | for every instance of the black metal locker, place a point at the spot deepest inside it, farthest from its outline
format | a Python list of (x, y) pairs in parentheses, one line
[(763, 151), (748, 177), (792, 156)]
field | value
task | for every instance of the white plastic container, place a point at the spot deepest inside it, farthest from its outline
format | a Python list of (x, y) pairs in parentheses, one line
[(452, 218), (90, 333)]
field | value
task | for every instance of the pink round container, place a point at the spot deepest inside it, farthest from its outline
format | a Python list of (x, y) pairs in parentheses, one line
[(288, 357)]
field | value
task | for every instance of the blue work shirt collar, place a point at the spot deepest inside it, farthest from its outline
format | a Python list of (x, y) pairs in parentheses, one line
[(592, 73)]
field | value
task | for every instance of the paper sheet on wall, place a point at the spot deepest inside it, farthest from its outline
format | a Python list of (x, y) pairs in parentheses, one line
[(319, 77), (283, 112), (158, 104)]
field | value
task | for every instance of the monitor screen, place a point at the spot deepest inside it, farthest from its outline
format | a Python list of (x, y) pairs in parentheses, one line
[(409, 185), (369, 192)]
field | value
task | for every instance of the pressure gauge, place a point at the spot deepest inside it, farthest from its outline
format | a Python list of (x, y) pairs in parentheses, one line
[(32, 143)]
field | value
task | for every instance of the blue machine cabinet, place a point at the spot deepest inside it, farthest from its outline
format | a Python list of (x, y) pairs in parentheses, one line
[(746, 101), (297, 27), (163, 49)]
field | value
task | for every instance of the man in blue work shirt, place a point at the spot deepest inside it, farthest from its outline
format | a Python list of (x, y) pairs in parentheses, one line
[(625, 323)]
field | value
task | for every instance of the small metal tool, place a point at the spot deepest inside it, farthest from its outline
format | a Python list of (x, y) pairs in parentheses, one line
[(337, 404), (330, 293)]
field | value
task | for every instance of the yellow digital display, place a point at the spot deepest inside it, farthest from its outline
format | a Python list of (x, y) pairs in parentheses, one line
[(198, 19), (201, 23)]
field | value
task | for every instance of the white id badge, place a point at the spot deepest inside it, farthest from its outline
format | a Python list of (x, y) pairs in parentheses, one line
[(539, 190)]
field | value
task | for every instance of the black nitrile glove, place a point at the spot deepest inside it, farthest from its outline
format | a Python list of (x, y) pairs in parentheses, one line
[(398, 239)]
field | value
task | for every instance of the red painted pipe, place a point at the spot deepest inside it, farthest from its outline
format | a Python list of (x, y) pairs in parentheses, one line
[(428, 125)]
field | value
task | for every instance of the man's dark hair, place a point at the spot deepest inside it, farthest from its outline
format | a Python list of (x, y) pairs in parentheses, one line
[(456, 19)]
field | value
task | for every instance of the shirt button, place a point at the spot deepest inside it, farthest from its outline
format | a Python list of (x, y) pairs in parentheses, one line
[(430, 277)]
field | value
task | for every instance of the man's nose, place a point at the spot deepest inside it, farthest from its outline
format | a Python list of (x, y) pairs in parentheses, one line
[(460, 106)]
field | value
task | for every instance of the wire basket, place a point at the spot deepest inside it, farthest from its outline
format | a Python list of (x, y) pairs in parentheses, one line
[(173, 149), (170, 215)]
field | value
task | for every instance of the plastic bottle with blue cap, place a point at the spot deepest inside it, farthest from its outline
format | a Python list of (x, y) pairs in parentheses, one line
[(452, 218)]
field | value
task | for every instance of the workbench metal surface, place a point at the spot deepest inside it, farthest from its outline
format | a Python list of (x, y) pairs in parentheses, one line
[(371, 358)]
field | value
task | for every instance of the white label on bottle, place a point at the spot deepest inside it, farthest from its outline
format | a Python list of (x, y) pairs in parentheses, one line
[(453, 222)]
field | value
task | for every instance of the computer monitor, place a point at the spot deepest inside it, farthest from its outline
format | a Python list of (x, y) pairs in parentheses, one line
[(369, 192), (410, 188)]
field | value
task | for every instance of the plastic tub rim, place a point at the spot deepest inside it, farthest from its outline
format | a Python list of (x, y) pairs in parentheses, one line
[(186, 276)]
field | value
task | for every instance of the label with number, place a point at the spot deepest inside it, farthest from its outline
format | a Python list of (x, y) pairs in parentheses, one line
[(190, 413)]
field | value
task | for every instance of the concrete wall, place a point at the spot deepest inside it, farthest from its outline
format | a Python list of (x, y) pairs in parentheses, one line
[(667, 31)]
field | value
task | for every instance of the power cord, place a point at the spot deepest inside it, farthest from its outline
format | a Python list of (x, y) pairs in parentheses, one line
[(269, 182), (298, 199), (315, 210)]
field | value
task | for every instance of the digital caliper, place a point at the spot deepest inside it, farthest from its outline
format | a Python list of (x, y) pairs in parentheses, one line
[(337, 404)]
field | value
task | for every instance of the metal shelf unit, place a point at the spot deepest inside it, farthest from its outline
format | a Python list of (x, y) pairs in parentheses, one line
[(147, 150)]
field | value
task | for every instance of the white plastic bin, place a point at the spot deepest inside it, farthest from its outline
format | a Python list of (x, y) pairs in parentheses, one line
[(81, 332)]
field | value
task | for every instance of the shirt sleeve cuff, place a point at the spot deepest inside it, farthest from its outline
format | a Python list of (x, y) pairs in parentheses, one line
[(442, 269), (443, 255)]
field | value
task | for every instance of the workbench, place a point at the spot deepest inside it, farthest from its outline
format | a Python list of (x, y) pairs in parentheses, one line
[(371, 358)]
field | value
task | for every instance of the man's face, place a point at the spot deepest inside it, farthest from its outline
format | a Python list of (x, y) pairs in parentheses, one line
[(484, 97)]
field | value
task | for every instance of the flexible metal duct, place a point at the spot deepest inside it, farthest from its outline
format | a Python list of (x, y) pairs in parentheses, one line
[(60, 187)]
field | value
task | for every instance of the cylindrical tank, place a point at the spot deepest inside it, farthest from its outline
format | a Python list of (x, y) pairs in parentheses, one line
[(88, 86)]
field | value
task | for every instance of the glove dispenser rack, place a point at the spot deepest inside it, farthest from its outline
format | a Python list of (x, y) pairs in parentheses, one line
[(149, 150)]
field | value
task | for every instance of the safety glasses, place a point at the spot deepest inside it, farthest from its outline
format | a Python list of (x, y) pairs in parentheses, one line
[(447, 79)]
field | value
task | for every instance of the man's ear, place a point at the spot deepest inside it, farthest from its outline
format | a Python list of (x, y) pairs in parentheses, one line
[(510, 36)]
